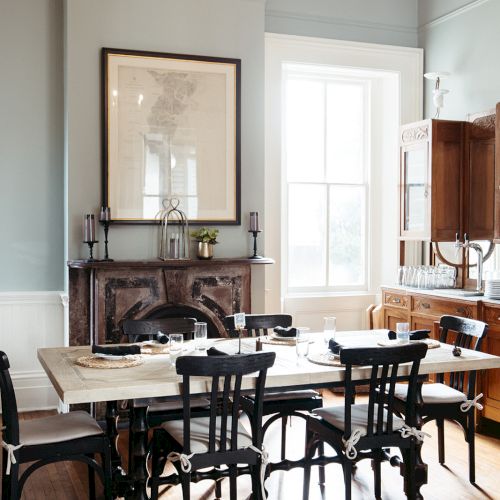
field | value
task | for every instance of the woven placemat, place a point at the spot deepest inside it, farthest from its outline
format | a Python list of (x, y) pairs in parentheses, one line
[(431, 343), (96, 362), (324, 358)]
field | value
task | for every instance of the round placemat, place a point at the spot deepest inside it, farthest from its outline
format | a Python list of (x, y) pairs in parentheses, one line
[(324, 358), (431, 343), (96, 362)]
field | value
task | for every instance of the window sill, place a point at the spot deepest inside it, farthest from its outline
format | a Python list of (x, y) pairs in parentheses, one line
[(339, 294)]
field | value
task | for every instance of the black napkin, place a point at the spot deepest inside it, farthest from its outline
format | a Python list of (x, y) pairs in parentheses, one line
[(335, 347), (414, 335), (162, 338), (116, 350), (215, 352), (285, 332)]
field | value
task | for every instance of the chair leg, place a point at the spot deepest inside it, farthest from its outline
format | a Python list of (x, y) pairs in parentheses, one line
[(471, 438), (218, 489), (256, 486), (186, 486), (91, 475), (321, 453), (440, 428), (11, 483), (377, 477), (233, 487), (347, 465), (108, 473), (308, 454), (284, 420)]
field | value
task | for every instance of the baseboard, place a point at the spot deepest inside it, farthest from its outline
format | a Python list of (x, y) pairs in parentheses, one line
[(34, 391)]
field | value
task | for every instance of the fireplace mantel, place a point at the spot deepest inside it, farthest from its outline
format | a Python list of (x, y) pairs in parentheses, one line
[(102, 294)]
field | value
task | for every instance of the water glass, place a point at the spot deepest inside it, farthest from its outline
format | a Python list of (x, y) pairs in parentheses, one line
[(302, 342), (176, 341), (200, 335), (329, 328), (403, 332)]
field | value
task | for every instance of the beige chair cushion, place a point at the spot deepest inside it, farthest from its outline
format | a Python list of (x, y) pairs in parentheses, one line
[(177, 405), (433, 393), (199, 434), (279, 396), (359, 418), (58, 428)]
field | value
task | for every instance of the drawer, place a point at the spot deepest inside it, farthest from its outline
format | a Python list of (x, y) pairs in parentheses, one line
[(394, 299), (431, 306), (491, 315)]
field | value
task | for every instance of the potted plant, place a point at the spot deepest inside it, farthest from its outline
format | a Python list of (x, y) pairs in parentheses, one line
[(206, 239)]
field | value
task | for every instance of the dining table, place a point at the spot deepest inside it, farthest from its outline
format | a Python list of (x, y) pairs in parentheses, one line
[(156, 377)]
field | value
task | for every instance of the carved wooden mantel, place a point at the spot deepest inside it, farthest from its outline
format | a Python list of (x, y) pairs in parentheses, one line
[(103, 294)]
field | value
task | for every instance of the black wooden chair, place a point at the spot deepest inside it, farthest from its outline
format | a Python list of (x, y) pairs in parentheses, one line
[(69, 436), (452, 397), (282, 404), (359, 431), (220, 439)]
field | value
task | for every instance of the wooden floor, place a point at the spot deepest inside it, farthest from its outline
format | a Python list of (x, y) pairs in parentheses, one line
[(68, 481)]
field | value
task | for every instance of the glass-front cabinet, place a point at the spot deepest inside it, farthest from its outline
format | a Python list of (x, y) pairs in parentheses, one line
[(430, 180)]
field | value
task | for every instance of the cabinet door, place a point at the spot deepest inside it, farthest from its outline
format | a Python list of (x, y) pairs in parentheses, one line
[(394, 316), (496, 229)]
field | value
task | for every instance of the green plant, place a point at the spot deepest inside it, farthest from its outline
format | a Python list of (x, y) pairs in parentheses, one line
[(206, 235)]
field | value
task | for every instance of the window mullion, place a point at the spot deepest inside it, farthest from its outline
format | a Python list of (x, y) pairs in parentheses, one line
[(325, 179)]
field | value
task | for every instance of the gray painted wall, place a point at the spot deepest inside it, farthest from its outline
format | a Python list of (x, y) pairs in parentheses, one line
[(225, 28), (31, 145), (392, 22), (466, 45)]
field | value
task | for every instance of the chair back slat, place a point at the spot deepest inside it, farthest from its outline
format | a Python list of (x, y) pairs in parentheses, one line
[(469, 334), (10, 417), (224, 401), (258, 324), (136, 330), (385, 362)]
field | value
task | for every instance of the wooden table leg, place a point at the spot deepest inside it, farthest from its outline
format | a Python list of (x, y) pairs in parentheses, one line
[(139, 440)]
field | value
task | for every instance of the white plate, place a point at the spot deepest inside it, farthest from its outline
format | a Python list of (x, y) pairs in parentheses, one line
[(275, 336), (113, 357)]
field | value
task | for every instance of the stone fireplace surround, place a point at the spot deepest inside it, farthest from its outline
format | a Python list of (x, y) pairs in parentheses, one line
[(102, 294)]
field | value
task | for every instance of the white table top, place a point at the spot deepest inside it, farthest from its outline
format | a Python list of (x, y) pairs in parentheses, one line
[(157, 377)]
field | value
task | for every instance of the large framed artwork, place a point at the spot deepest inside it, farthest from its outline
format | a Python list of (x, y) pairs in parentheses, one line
[(171, 130)]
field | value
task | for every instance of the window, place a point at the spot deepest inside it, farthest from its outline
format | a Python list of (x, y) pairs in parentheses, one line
[(326, 173)]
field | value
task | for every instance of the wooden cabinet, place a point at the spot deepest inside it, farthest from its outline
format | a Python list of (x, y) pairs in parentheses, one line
[(430, 180), (422, 310), (496, 186)]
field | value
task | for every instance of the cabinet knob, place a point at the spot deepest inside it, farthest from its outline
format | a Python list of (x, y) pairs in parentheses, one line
[(461, 310), (396, 301), (425, 305)]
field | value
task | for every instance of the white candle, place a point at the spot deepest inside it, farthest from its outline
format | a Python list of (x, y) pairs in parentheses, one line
[(254, 221), (89, 228)]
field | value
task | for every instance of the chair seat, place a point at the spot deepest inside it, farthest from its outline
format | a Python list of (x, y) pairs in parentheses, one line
[(200, 432), (334, 415), (433, 393), (58, 428), (177, 405), (285, 395)]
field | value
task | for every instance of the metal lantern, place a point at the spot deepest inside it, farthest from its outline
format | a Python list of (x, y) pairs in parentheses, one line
[(174, 231)]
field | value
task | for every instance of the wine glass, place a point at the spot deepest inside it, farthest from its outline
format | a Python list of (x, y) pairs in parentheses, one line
[(329, 328), (302, 342), (200, 335), (176, 341)]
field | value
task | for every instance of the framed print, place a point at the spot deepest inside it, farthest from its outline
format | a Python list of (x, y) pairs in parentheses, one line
[(171, 130)]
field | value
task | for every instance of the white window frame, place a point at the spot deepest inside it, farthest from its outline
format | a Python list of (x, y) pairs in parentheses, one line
[(323, 76)]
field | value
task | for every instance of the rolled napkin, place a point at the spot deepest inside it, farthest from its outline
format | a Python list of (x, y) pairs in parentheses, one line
[(116, 350), (285, 332), (162, 338), (335, 347), (215, 352), (413, 335)]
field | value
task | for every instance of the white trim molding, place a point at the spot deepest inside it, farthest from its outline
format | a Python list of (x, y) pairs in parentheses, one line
[(450, 15)]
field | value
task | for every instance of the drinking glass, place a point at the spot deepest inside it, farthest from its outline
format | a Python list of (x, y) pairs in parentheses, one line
[(302, 342), (329, 328), (200, 335), (176, 341), (403, 332)]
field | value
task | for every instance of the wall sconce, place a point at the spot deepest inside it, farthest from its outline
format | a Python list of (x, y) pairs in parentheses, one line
[(438, 93)]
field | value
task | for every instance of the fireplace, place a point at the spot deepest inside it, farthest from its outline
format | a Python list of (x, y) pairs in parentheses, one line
[(104, 294)]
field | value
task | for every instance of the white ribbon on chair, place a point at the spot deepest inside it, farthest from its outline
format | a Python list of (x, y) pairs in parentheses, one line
[(467, 405), (407, 431), (10, 448), (350, 444), (264, 460), (184, 459)]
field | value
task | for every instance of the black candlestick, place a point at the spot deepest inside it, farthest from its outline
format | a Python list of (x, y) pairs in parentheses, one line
[(255, 255), (105, 223), (91, 250)]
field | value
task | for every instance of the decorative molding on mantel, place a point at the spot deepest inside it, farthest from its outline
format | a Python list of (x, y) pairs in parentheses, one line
[(337, 21), (451, 15)]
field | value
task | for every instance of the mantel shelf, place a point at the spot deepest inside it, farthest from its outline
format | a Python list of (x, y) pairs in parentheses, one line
[(155, 263)]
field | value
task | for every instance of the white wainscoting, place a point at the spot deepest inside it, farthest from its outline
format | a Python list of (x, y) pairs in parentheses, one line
[(350, 310), (29, 320)]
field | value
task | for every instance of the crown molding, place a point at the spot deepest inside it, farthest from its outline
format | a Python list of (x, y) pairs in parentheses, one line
[(451, 15), (340, 22)]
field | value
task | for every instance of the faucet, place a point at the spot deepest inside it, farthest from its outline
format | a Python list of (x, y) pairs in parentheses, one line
[(479, 251)]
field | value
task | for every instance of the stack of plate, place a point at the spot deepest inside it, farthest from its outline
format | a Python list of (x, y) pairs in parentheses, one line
[(492, 288)]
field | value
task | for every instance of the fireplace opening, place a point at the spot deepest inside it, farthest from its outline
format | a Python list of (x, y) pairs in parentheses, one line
[(183, 311)]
